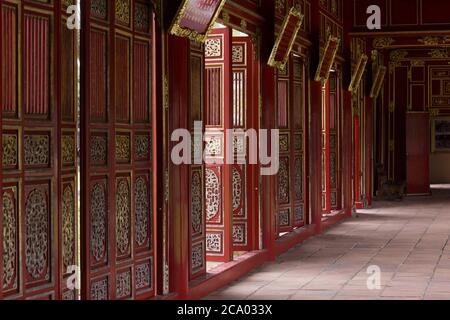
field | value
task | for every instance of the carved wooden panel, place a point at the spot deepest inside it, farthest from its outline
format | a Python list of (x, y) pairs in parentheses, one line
[(291, 178), (39, 188), (217, 177), (197, 231), (118, 174)]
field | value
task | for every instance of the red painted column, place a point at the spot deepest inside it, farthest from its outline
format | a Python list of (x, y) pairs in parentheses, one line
[(268, 95), (315, 133), (357, 168), (347, 144), (347, 126), (179, 90), (369, 150), (316, 154)]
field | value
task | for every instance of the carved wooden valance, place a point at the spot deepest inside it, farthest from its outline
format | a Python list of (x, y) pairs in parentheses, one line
[(327, 59), (286, 39), (358, 73), (195, 18)]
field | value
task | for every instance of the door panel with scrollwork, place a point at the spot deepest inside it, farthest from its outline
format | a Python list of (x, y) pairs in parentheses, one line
[(39, 181), (243, 110), (117, 153), (218, 188), (291, 178)]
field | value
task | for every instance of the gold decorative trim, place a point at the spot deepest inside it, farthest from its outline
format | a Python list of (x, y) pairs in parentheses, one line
[(281, 65), (319, 76), (177, 30), (358, 73), (380, 43), (378, 82)]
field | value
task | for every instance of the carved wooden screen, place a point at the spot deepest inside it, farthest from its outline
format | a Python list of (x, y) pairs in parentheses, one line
[(197, 231), (331, 197), (218, 202), (39, 150), (291, 122), (299, 120), (117, 198), (243, 220), (334, 142)]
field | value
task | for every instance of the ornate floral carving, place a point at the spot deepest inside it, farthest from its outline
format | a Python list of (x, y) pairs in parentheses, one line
[(280, 7), (68, 227), (123, 216), (36, 233), (214, 243), (99, 8), (197, 203), (398, 55), (239, 237), (283, 181), (144, 275), (439, 54), (123, 285), (123, 147), (333, 170), (237, 189), (284, 218), (123, 11), (380, 43), (98, 221), (68, 149), (298, 214), (142, 17), (197, 258), (213, 48), (143, 146), (9, 241), (298, 186), (99, 290), (37, 149), (238, 54), (143, 209), (69, 296), (98, 149), (10, 155), (213, 194), (213, 146), (284, 143)]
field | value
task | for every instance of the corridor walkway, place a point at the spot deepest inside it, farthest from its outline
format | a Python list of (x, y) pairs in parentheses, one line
[(408, 241)]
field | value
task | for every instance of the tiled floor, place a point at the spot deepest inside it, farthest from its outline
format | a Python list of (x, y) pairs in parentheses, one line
[(407, 240)]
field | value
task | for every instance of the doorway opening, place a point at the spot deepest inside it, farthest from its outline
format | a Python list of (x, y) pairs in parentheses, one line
[(231, 102)]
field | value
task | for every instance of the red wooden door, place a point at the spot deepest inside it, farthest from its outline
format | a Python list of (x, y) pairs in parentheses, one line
[(292, 182), (197, 232), (39, 187), (243, 109), (218, 118), (418, 152), (117, 176)]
